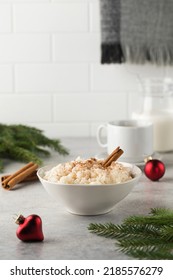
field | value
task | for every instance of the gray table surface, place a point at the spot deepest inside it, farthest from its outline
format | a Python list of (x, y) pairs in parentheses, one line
[(66, 235)]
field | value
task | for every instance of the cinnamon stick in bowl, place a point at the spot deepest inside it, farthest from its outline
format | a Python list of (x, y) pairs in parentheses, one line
[(113, 156)]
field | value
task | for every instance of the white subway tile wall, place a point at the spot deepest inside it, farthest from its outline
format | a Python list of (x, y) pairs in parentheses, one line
[(50, 71)]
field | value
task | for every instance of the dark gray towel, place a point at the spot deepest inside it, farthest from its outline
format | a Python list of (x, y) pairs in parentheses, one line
[(137, 31)]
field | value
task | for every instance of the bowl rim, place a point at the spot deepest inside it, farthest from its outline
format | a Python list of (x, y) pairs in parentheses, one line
[(48, 167)]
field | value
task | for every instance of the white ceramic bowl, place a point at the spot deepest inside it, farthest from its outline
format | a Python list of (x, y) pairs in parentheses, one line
[(89, 199)]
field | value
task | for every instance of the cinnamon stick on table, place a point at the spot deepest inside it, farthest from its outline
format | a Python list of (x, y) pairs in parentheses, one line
[(19, 175), (31, 177)]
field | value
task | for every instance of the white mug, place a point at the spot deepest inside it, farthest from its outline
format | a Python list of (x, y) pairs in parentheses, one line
[(135, 138)]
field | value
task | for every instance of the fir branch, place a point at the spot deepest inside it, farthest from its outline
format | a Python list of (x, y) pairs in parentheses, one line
[(148, 253), (38, 138), (57, 146), (41, 151), (137, 242), (1, 165), (167, 233), (111, 230), (153, 220), (161, 211), (25, 143), (142, 237), (21, 154)]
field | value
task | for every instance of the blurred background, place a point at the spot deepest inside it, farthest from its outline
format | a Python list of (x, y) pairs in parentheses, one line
[(50, 71)]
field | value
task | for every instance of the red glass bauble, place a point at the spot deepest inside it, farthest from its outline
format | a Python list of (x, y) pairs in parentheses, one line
[(30, 228), (154, 169)]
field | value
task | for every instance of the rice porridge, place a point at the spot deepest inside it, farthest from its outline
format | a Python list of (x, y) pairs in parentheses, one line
[(89, 171)]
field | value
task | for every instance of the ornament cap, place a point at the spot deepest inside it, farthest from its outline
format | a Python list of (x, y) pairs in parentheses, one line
[(147, 159), (20, 219)]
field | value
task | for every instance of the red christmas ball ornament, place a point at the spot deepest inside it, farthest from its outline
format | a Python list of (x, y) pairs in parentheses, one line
[(154, 169), (30, 228)]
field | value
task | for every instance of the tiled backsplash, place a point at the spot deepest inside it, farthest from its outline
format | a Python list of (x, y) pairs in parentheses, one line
[(50, 71)]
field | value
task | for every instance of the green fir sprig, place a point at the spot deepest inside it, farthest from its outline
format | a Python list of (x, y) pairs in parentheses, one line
[(142, 237), (25, 143)]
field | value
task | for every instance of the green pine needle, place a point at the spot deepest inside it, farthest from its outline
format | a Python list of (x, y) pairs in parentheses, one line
[(161, 211), (25, 143), (1, 164), (152, 220), (149, 253), (142, 237)]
